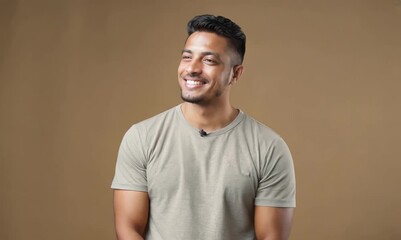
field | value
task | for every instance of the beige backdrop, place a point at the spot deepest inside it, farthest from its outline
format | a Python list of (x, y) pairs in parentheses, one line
[(75, 75)]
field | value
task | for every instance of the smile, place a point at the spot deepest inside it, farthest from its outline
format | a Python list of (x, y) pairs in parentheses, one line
[(194, 83)]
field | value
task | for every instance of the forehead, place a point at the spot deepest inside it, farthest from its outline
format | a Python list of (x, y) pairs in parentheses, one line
[(206, 41)]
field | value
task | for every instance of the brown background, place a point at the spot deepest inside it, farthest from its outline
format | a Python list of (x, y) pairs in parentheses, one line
[(76, 74)]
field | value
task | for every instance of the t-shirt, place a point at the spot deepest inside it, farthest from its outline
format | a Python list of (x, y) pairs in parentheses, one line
[(204, 187)]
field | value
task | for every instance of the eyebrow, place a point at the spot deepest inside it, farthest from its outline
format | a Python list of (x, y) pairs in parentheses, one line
[(202, 53)]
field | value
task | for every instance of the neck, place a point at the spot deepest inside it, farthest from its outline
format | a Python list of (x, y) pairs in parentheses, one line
[(209, 118)]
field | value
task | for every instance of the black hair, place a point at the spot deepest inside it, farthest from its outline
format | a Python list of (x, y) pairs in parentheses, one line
[(221, 26)]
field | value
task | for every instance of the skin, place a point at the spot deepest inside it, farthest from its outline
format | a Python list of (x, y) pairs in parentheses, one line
[(208, 59), (131, 209), (207, 71)]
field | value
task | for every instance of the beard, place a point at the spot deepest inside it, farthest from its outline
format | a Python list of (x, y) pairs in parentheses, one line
[(203, 99), (200, 100), (194, 100)]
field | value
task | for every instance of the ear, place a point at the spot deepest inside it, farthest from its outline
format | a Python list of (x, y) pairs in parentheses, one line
[(237, 72)]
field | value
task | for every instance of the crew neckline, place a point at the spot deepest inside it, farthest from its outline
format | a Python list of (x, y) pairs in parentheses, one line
[(220, 131)]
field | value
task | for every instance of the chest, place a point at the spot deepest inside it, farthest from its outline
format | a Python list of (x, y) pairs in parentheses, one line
[(205, 171)]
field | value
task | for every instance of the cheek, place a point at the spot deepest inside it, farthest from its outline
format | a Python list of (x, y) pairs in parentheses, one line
[(181, 68), (223, 74)]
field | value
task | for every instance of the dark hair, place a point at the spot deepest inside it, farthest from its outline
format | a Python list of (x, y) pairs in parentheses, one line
[(221, 26)]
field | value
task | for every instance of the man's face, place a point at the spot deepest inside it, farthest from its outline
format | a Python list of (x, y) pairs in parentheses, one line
[(205, 69)]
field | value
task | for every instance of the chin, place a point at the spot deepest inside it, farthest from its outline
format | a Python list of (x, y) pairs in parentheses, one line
[(194, 100)]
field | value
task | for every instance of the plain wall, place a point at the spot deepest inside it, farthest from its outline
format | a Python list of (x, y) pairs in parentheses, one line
[(75, 75)]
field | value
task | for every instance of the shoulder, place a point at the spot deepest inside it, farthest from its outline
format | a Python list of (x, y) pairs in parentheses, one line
[(148, 123), (150, 126), (262, 136), (259, 129)]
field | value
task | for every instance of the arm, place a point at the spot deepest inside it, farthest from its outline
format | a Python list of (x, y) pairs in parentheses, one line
[(273, 223), (131, 210)]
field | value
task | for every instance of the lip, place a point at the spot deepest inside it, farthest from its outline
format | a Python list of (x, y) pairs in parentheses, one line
[(193, 84), (196, 79)]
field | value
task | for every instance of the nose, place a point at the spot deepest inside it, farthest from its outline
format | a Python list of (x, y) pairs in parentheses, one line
[(194, 67)]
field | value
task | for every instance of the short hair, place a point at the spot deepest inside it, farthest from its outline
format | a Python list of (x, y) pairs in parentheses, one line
[(221, 26)]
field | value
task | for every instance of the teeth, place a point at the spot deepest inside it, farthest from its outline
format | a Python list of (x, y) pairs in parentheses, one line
[(191, 82)]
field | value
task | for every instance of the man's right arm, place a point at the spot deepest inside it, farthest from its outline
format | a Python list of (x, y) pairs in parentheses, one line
[(131, 209)]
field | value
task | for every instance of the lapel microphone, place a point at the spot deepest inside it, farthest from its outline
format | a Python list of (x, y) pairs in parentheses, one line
[(202, 133)]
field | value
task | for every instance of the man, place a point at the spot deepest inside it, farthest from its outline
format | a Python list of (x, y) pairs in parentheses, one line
[(204, 169)]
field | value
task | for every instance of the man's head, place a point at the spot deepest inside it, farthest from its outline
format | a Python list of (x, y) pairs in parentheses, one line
[(223, 27), (211, 60)]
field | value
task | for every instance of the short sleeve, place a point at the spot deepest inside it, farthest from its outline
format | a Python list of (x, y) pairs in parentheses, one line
[(277, 177), (130, 172)]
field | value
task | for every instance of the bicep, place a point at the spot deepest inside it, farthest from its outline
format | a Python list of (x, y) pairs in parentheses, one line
[(131, 209), (273, 223)]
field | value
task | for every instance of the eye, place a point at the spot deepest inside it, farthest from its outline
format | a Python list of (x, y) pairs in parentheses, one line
[(210, 61), (186, 57)]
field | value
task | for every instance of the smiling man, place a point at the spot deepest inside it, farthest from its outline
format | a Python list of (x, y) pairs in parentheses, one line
[(204, 169)]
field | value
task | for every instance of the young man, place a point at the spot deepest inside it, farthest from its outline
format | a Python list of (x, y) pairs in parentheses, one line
[(204, 169)]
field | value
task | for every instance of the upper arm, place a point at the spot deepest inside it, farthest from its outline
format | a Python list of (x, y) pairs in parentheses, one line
[(273, 223), (276, 176), (131, 165), (131, 209)]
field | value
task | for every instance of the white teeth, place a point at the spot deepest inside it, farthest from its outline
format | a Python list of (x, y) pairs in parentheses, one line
[(191, 82)]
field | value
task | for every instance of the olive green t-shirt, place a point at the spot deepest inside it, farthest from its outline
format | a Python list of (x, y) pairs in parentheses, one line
[(204, 187)]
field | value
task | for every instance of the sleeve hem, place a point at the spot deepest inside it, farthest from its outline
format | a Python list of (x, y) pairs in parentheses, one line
[(275, 203), (117, 186)]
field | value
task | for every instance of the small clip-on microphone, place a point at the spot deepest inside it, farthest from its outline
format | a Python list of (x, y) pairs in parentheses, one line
[(202, 133)]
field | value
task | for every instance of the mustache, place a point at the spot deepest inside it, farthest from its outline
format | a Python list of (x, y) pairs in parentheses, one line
[(196, 77)]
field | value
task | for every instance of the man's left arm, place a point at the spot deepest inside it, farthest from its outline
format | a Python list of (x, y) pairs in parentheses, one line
[(275, 199), (273, 223)]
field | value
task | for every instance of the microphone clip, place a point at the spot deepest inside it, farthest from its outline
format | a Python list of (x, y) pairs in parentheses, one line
[(202, 133)]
